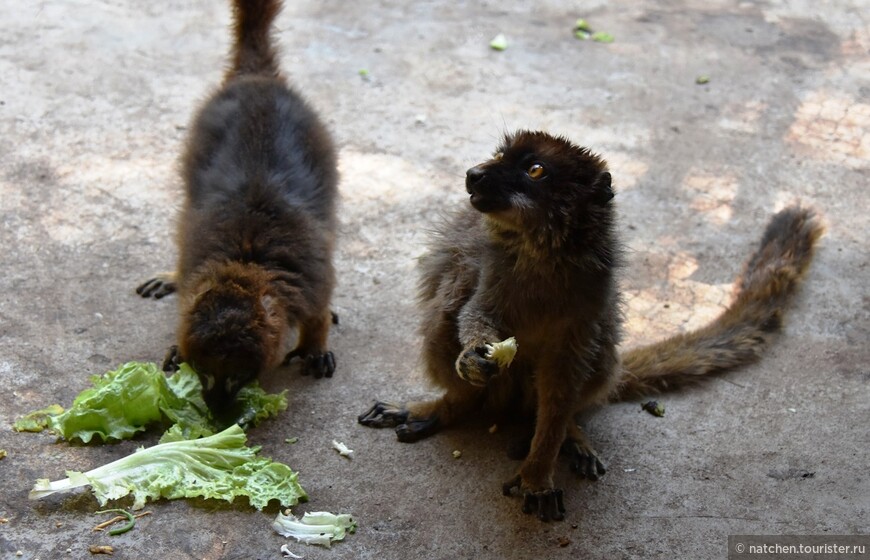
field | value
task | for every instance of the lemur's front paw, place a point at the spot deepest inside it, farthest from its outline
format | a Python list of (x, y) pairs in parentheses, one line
[(415, 429), (473, 366), (408, 428), (547, 504), (384, 415), (317, 364)]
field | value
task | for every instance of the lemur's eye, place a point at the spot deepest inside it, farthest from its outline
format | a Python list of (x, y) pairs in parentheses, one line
[(536, 171), (497, 156)]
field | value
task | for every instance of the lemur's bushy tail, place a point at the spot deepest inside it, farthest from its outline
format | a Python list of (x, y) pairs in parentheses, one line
[(739, 335), (252, 51)]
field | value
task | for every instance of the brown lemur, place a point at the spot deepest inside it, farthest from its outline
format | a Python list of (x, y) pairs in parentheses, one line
[(258, 225), (536, 256)]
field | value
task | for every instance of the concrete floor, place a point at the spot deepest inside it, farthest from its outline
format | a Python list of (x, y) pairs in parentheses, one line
[(95, 99)]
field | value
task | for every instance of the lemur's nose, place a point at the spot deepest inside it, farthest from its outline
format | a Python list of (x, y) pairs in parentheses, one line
[(474, 175)]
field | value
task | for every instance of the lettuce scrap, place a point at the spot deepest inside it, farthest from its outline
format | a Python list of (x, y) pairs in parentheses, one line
[(37, 420), (342, 449), (502, 352), (499, 42), (320, 527), (602, 37), (220, 466), (126, 401), (253, 404)]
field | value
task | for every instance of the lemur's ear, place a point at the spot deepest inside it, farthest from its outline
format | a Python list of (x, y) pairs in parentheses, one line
[(602, 192)]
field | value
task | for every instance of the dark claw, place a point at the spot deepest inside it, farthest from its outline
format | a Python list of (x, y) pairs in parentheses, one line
[(334, 317), (530, 502), (383, 415), (319, 365), (313, 365), (173, 360), (155, 288), (548, 504), (583, 461)]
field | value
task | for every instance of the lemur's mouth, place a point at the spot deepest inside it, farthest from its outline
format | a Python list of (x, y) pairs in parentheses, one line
[(485, 204), (484, 194)]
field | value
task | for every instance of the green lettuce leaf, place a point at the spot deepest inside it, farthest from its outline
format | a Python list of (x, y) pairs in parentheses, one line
[(126, 401), (253, 405), (120, 404), (220, 466), (183, 404)]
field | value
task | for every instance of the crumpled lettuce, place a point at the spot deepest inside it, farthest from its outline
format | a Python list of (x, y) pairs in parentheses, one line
[(126, 401), (123, 402), (253, 404), (319, 527), (220, 466)]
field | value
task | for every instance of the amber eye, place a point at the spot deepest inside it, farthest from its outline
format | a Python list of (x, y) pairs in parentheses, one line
[(536, 171), (497, 156)]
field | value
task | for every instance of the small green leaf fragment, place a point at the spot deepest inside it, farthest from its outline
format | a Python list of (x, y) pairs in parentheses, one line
[(602, 37), (582, 34), (582, 25), (37, 420), (701, 80), (653, 407), (499, 42), (2, 453), (363, 72), (253, 405), (291, 440)]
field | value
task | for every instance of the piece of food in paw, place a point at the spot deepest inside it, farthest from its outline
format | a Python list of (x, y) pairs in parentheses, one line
[(502, 352)]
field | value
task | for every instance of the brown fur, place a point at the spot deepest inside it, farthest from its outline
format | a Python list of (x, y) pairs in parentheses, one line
[(257, 229), (741, 332), (537, 258)]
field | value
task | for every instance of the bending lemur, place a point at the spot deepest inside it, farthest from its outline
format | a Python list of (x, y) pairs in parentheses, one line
[(536, 257), (257, 229)]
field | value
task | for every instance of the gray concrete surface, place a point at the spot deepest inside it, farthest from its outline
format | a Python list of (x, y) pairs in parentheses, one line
[(94, 103)]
